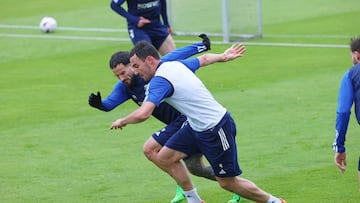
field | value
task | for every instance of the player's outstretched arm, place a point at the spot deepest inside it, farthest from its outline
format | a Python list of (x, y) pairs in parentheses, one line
[(235, 51), (137, 116)]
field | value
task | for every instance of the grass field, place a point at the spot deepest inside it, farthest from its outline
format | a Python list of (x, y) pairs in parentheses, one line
[(55, 148)]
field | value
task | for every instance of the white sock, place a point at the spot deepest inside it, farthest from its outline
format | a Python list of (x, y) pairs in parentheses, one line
[(192, 196), (273, 199)]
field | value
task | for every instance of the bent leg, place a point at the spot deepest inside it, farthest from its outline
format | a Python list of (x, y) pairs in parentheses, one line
[(169, 161), (196, 166), (151, 148), (245, 188), (167, 46)]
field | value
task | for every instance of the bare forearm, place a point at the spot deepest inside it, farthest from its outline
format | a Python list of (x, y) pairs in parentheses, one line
[(210, 58), (235, 51), (137, 116)]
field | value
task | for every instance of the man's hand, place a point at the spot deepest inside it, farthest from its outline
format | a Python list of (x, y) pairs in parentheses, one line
[(95, 100), (206, 41), (142, 22), (340, 161), (119, 123), (170, 30), (235, 51)]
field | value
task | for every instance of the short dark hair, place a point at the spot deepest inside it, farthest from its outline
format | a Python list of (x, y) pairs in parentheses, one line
[(355, 44), (144, 49), (121, 57)]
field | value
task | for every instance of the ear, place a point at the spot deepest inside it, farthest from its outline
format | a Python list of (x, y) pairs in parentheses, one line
[(150, 60), (357, 56)]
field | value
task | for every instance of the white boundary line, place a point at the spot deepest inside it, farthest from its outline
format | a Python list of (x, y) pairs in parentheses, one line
[(31, 27), (309, 36), (62, 37), (66, 37), (297, 45)]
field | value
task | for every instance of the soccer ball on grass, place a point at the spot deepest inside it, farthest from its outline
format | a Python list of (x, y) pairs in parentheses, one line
[(48, 24)]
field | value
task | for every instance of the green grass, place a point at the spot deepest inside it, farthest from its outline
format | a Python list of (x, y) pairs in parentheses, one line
[(55, 148)]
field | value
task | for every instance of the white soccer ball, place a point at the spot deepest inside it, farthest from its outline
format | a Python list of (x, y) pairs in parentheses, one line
[(48, 24)]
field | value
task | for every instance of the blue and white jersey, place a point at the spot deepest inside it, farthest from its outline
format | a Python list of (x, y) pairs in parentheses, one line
[(349, 93), (177, 85)]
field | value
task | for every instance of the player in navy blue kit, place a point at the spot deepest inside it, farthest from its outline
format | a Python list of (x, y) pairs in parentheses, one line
[(349, 93), (132, 86), (210, 130), (147, 20)]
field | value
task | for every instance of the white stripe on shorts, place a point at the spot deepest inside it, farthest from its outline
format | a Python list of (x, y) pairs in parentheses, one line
[(224, 142)]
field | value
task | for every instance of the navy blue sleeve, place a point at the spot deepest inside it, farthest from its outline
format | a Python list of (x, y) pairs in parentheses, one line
[(116, 5), (345, 101), (184, 52), (164, 13), (158, 89), (117, 96)]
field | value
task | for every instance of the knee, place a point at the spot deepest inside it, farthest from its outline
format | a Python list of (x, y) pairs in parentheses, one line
[(147, 152), (225, 183), (150, 152), (169, 157), (164, 162)]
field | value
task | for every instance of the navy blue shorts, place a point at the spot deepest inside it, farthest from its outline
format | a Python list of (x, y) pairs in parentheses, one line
[(359, 165), (217, 144), (154, 33), (163, 135)]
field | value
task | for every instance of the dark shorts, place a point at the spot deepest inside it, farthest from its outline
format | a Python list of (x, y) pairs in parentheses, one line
[(154, 33), (163, 135), (217, 144)]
